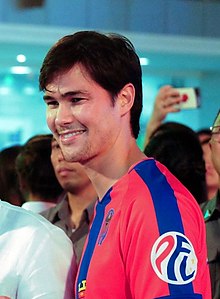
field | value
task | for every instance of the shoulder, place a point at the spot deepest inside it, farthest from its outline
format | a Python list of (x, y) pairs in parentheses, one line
[(148, 170), (140, 182), (152, 187), (19, 219), (208, 207), (151, 176), (38, 251), (52, 213)]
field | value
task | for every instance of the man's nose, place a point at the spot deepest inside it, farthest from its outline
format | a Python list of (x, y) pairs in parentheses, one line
[(64, 115), (60, 156)]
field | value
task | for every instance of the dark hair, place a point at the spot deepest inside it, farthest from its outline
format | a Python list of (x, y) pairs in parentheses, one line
[(9, 186), (34, 167), (207, 132), (110, 60), (178, 148)]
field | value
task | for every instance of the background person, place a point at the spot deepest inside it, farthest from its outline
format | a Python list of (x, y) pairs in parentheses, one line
[(37, 179), (166, 102), (36, 257), (9, 185), (211, 211), (212, 178), (74, 212), (178, 148)]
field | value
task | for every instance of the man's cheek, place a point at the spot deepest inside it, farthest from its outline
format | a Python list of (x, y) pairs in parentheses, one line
[(50, 122)]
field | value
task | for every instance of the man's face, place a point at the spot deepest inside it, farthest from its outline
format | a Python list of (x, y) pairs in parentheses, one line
[(211, 174), (81, 115), (71, 175), (215, 144)]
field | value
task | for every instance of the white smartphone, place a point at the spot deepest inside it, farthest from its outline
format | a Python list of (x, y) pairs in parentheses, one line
[(190, 97)]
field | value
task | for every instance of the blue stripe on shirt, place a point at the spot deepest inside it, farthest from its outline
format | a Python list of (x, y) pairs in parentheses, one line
[(92, 239), (166, 208)]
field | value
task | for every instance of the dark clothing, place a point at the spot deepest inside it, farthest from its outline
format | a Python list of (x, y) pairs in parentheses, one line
[(211, 212), (60, 216)]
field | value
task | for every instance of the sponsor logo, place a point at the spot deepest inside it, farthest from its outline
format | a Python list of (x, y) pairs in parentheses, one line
[(173, 258), (81, 289), (105, 226)]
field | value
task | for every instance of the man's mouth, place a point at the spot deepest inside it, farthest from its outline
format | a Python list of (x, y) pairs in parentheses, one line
[(65, 136), (71, 133)]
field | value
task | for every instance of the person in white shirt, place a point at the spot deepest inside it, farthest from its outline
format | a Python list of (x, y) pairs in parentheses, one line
[(36, 257)]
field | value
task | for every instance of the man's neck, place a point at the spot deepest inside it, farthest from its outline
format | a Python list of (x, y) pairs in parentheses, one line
[(79, 201), (105, 171)]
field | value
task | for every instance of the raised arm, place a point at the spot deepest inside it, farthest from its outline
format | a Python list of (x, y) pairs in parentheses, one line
[(166, 101)]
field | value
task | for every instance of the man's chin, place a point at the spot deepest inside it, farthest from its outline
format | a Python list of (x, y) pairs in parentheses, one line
[(70, 157), (73, 157)]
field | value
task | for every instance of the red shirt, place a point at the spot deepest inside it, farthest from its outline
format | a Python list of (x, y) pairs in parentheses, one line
[(147, 241)]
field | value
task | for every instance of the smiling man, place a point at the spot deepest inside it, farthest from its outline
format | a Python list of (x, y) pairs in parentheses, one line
[(147, 239)]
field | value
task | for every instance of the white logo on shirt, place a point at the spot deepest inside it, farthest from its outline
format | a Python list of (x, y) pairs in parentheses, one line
[(173, 258)]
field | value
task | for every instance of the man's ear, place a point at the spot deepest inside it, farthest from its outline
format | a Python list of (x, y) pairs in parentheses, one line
[(126, 98), (22, 184)]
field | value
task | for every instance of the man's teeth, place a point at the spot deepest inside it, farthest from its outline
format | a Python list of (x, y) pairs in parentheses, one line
[(72, 134)]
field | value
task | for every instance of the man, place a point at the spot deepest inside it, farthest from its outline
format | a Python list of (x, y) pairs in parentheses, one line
[(211, 173), (9, 185), (147, 239), (37, 180), (75, 211), (166, 102), (211, 210), (36, 257), (169, 144)]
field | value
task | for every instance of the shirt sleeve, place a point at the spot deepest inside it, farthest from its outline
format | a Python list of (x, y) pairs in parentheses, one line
[(157, 265)]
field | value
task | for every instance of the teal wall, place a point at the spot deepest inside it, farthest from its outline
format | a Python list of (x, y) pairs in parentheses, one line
[(22, 111)]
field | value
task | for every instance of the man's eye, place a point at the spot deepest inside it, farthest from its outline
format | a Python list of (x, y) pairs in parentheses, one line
[(52, 103), (76, 100), (216, 130)]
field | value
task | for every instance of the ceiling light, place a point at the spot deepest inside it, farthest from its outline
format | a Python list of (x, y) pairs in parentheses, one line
[(21, 58), (144, 61), (20, 70), (29, 90), (4, 90)]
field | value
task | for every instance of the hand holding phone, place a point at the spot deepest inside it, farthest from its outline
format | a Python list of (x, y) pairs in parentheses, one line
[(189, 98)]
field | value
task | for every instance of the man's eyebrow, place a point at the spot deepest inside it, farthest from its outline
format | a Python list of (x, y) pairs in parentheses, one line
[(67, 94), (46, 97), (74, 93)]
